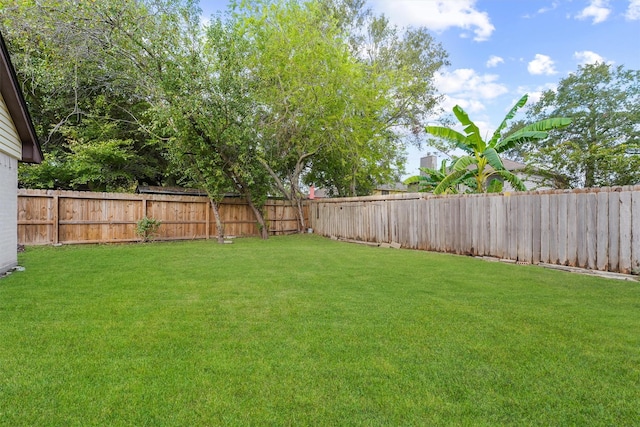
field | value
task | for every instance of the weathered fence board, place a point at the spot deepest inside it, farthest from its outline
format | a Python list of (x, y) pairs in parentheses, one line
[(582, 224), (591, 204), (563, 230), (589, 228), (545, 230), (624, 255), (635, 232), (52, 217), (614, 231), (572, 230), (602, 239), (553, 229)]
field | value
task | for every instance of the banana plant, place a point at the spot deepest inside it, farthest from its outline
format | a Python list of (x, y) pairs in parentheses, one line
[(481, 160), (431, 179)]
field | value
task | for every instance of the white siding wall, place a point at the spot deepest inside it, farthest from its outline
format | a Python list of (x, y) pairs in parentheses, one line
[(9, 141), (8, 212), (10, 153)]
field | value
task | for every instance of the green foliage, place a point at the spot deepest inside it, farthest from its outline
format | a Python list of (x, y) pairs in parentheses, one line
[(147, 228), (85, 92), (276, 95), (330, 113), (208, 115), (482, 161), (600, 146)]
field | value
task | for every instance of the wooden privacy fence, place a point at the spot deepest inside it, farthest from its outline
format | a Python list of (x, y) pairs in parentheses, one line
[(69, 217), (588, 228)]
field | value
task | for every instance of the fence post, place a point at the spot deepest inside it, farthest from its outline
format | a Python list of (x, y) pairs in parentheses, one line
[(56, 219), (207, 217)]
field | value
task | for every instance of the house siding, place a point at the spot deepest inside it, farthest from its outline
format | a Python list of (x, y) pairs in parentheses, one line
[(10, 143), (8, 212), (10, 153)]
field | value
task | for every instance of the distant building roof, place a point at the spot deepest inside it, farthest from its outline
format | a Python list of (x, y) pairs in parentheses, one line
[(320, 193), (398, 186), (150, 189), (17, 106), (512, 165)]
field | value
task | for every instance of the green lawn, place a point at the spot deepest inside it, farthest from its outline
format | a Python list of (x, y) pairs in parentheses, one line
[(302, 330)]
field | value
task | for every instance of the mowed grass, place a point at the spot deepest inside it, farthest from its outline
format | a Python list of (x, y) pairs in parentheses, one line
[(302, 330)]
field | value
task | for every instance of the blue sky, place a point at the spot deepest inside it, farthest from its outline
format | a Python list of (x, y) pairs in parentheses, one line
[(502, 49)]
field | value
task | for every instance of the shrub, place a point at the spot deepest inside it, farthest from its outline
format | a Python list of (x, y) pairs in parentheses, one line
[(147, 228)]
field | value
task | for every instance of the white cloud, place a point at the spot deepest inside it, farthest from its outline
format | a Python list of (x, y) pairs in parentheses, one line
[(494, 61), (468, 89), (536, 93), (598, 10), (542, 10), (541, 64), (466, 83), (554, 6), (469, 105), (438, 15), (633, 12), (587, 57)]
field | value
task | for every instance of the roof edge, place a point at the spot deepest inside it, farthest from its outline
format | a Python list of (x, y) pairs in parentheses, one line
[(17, 106)]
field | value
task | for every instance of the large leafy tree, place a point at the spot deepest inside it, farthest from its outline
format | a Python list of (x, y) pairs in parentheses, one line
[(208, 110), (481, 160), (601, 147), (83, 93), (398, 65), (300, 64), (335, 101)]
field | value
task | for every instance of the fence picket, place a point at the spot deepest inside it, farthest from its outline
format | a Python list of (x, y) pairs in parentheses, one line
[(572, 229), (553, 227), (624, 254), (635, 232), (614, 230), (545, 231), (563, 231), (592, 229), (582, 231)]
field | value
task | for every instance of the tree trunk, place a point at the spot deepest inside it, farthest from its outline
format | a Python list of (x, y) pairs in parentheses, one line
[(589, 174), (296, 200), (292, 196), (216, 214), (262, 225), (301, 221)]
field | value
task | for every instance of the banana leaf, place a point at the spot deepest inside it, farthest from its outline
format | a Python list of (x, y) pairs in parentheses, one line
[(474, 140), (413, 179), (547, 124), (534, 131), (512, 179), (519, 138), (510, 115), (464, 162), (451, 135), (450, 181), (495, 186), (493, 158)]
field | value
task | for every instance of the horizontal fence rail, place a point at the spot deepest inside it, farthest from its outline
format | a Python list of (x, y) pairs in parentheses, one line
[(70, 217), (595, 228)]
